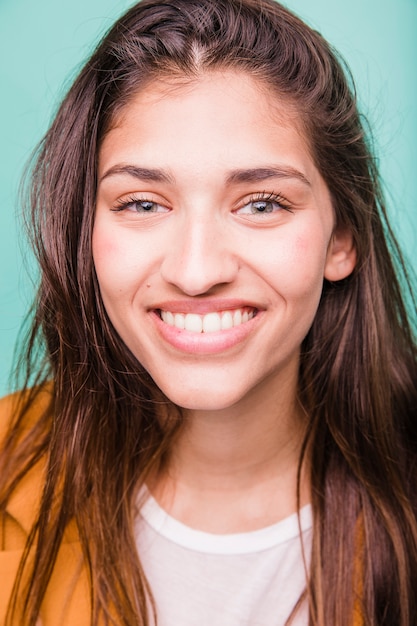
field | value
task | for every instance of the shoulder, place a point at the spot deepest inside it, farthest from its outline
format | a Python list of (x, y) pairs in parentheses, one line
[(23, 412), (36, 399), (66, 600), (8, 408), (22, 420)]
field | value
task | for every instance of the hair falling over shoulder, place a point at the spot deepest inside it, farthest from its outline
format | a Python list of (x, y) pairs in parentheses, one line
[(104, 425)]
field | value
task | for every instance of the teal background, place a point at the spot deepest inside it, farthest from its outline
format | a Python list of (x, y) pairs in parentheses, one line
[(43, 42)]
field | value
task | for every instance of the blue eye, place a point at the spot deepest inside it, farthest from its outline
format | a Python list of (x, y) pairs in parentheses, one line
[(264, 205), (135, 205), (143, 206)]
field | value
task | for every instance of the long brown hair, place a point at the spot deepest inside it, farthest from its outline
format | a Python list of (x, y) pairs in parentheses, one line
[(100, 435)]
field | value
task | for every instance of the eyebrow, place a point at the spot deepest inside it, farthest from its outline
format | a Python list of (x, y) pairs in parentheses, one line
[(141, 173), (250, 175), (263, 173)]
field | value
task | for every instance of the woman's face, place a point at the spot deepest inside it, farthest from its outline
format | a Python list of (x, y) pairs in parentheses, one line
[(213, 233)]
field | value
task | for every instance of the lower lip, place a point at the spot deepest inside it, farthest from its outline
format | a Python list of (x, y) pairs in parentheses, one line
[(204, 343)]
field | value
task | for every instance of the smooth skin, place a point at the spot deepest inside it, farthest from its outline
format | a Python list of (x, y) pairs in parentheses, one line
[(209, 201)]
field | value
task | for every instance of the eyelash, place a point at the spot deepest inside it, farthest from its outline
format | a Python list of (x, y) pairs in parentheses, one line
[(123, 204), (268, 197)]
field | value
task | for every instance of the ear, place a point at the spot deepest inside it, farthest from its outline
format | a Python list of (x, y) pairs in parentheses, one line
[(341, 256)]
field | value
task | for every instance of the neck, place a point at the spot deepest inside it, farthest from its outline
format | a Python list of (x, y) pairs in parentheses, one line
[(235, 470)]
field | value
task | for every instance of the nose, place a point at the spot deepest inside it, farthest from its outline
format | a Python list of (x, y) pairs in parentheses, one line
[(200, 257)]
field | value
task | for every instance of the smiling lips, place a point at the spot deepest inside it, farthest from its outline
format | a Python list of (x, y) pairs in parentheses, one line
[(210, 322)]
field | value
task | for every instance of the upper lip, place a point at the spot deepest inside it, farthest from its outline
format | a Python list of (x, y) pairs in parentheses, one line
[(203, 306)]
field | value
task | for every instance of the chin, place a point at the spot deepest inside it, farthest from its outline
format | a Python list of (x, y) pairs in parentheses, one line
[(201, 399)]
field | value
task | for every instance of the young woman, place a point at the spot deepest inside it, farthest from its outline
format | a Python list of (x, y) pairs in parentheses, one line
[(219, 419)]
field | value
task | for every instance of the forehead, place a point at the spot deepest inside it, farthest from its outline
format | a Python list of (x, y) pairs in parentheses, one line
[(217, 119), (230, 90), (242, 85)]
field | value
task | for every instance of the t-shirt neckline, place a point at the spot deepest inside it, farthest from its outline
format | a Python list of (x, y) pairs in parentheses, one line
[(234, 543)]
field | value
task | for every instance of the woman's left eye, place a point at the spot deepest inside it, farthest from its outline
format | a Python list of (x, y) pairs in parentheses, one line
[(261, 206)]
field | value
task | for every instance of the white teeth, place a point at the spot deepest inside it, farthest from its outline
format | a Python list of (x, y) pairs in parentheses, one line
[(212, 323), (227, 320), (209, 323), (237, 317), (169, 318), (179, 320), (193, 323)]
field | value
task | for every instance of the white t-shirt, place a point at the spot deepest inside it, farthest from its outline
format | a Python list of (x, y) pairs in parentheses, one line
[(204, 579)]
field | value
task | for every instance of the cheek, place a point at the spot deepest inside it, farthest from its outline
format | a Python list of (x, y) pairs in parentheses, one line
[(309, 257), (116, 282), (115, 260), (296, 266), (105, 252)]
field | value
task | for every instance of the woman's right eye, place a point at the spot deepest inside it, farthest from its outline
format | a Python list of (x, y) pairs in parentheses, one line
[(136, 205)]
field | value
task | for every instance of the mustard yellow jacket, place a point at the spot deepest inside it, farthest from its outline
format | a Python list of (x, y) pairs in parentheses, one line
[(67, 599), (66, 602)]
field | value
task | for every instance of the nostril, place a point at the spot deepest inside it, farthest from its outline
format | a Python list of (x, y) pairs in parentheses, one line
[(197, 272)]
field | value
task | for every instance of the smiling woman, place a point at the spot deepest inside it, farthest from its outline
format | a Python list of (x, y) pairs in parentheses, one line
[(233, 241), (224, 429)]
